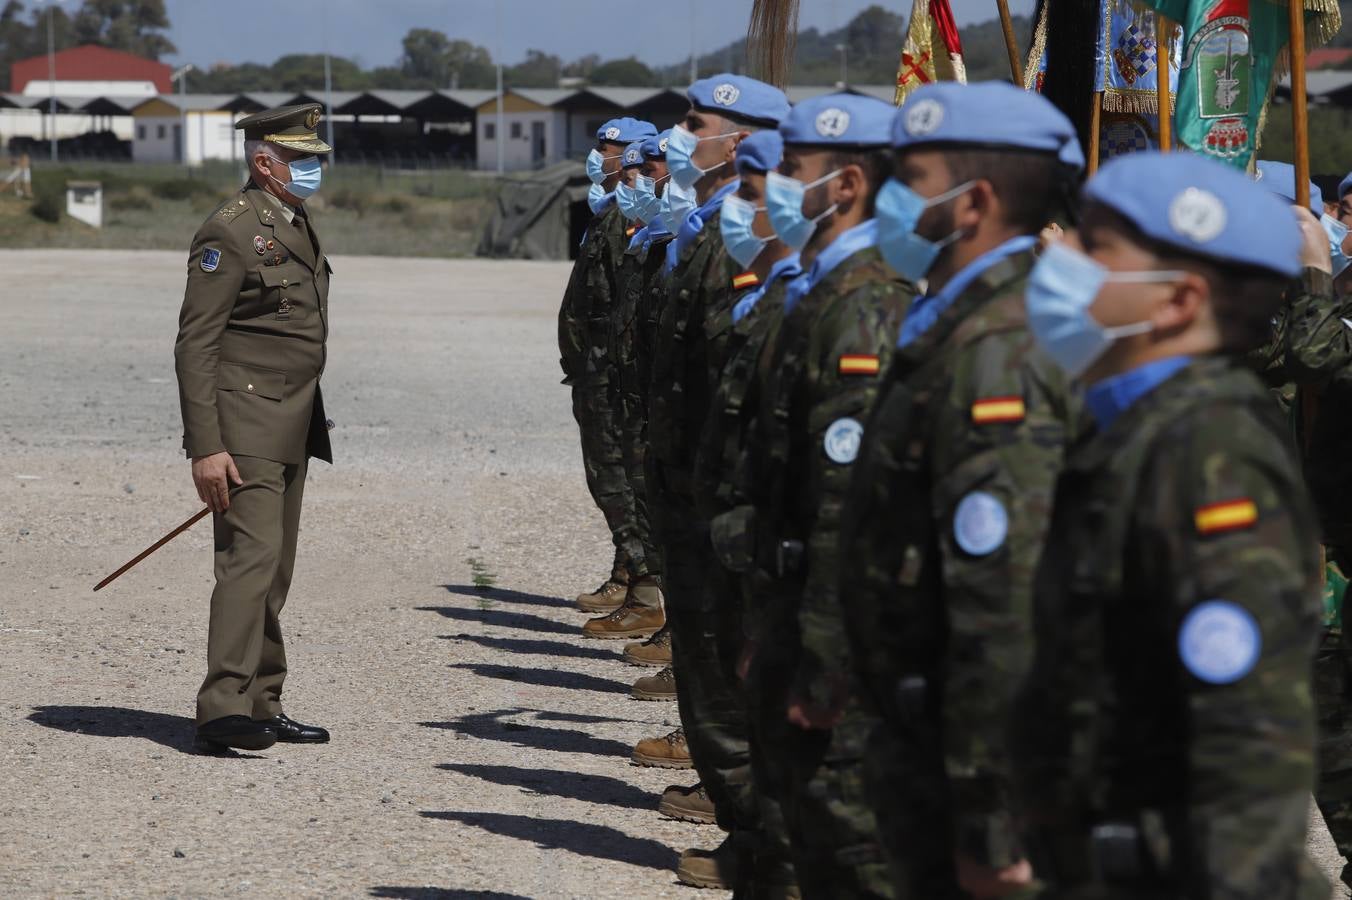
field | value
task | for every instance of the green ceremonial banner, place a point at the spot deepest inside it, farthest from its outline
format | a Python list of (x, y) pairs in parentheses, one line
[(1233, 52)]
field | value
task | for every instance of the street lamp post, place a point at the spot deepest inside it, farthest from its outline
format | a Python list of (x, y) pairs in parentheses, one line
[(501, 134), (51, 74), (328, 89), (181, 76)]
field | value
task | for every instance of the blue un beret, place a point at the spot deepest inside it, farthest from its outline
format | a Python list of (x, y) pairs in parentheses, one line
[(625, 130), (632, 156), (847, 120), (741, 98), (655, 147), (1201, 207), (1344, 186), (1280, 178), (760, 152), (985, 114)]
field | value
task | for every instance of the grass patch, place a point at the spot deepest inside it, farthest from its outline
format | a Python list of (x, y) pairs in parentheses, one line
[(483, 579)]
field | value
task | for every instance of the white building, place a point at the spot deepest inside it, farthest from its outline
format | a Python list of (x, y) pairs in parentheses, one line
[(159, 137)]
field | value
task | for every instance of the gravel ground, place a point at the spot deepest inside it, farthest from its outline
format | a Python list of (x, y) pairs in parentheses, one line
[(480, 744)]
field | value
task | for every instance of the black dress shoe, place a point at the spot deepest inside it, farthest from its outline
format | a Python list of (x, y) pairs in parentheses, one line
[(291, 732), (239, 732)]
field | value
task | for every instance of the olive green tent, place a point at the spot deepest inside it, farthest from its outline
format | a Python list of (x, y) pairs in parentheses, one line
[(538, 215)]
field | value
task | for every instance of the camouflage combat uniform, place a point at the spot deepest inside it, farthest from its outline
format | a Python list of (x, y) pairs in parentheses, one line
[(971, 415), (685, 358), (584, 337), (716, 496), (821, 369), (1138, 778)]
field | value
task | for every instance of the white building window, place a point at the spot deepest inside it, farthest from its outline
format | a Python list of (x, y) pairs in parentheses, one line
[(516, 130), (159, 132), (490, 131), (140, 132)]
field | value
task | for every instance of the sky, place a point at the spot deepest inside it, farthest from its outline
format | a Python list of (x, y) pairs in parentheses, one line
[(211, 31)]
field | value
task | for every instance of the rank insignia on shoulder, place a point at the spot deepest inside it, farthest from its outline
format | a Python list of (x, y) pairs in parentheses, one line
[(230, 210), (858, 364), (745, 280), (211, 259), (993, 410), (1232, 515)]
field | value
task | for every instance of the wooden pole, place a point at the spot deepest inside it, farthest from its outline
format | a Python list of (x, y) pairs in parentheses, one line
[(1011, 43), (151, 549), (1300, 121), (1095, 126), (1164, 33)]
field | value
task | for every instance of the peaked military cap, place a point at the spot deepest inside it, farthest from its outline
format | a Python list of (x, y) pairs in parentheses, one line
[(839, 120), (294, 127), (1280, 178), (1201, 207), (740, 98)]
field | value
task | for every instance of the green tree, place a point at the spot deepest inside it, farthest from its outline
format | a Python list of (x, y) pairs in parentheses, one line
[(540, 69), (624, 72), (135, 26), (305, 72), (426, 57)]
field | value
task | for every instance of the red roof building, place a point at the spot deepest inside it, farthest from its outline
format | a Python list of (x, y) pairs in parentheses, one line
[(1328, 57), (91, 63)]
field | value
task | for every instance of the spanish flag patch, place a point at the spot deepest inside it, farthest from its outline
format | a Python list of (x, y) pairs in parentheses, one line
[(745, 280), (859, 364), (1232, 515), (992, 410), (631, 231)]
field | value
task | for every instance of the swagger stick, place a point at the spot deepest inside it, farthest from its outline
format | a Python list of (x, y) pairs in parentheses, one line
[(157, 545), (1011, 43)]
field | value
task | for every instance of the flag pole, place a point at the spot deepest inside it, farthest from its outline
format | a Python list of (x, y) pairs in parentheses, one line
[(1011, 43), (1164, 41), (1095, 126), (1300, 120)]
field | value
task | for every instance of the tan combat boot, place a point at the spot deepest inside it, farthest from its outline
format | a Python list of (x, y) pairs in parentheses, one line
[(661, 686), (688, 804), (670, 752), (629, 621), (608, 597), (715, 868), (655, 651)]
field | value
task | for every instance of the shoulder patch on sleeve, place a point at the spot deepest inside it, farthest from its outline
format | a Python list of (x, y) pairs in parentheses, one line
[(745, 280), (843, 439), (859, 364), (1219, 641), (993, 410), (1232, 515), (980, 524), (211, 259)]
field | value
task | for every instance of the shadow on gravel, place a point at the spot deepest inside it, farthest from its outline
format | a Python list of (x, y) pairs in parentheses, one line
[(559, 678), (538, 646), (582, 838), (506, 595), (559, 783), (490, 727), (174, 732), (505, 618), (431, 893)]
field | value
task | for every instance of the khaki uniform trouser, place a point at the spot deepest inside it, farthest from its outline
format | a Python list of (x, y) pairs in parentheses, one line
[(255, 555)]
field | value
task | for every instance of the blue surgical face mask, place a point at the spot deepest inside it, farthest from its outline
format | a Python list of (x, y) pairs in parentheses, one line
[(596, 198), (596, 165), (1061, 289), (627, 198), (306, 174), (649, 204), (737, 225), (681, 202), (1337, 233), (664, 214), (898, 210), (680, 148), (784, 202)]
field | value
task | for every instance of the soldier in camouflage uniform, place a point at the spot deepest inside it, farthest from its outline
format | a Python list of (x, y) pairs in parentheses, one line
[(949, 503), (815, 379), (687, 357), (1310, 355), (1164, 739), (767, 264), (583, 339)]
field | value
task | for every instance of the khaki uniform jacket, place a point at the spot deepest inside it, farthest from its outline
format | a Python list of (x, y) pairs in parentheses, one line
[(252, 333)]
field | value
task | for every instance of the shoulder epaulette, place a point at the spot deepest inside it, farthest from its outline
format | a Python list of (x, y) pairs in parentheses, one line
[(232, 209), (745, 280)]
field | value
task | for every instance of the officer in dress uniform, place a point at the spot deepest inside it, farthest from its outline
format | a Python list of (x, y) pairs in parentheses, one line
[(249, 356), (1164, 738)]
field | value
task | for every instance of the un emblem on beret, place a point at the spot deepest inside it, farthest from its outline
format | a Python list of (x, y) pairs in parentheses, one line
[(612, 133), (631, 156), (1197, 215), (662, 145), (923, 118), (312, 119), (832, 123), (726, 94)]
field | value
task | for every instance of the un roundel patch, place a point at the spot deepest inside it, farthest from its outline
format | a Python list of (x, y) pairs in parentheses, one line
[(842, 441), (211, 259), (980, 524), (1219, 642)]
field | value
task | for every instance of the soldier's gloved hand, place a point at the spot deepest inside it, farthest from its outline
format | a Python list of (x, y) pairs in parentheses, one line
[(985, 883), (1315, 252), (818, 706), (213, 475)]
